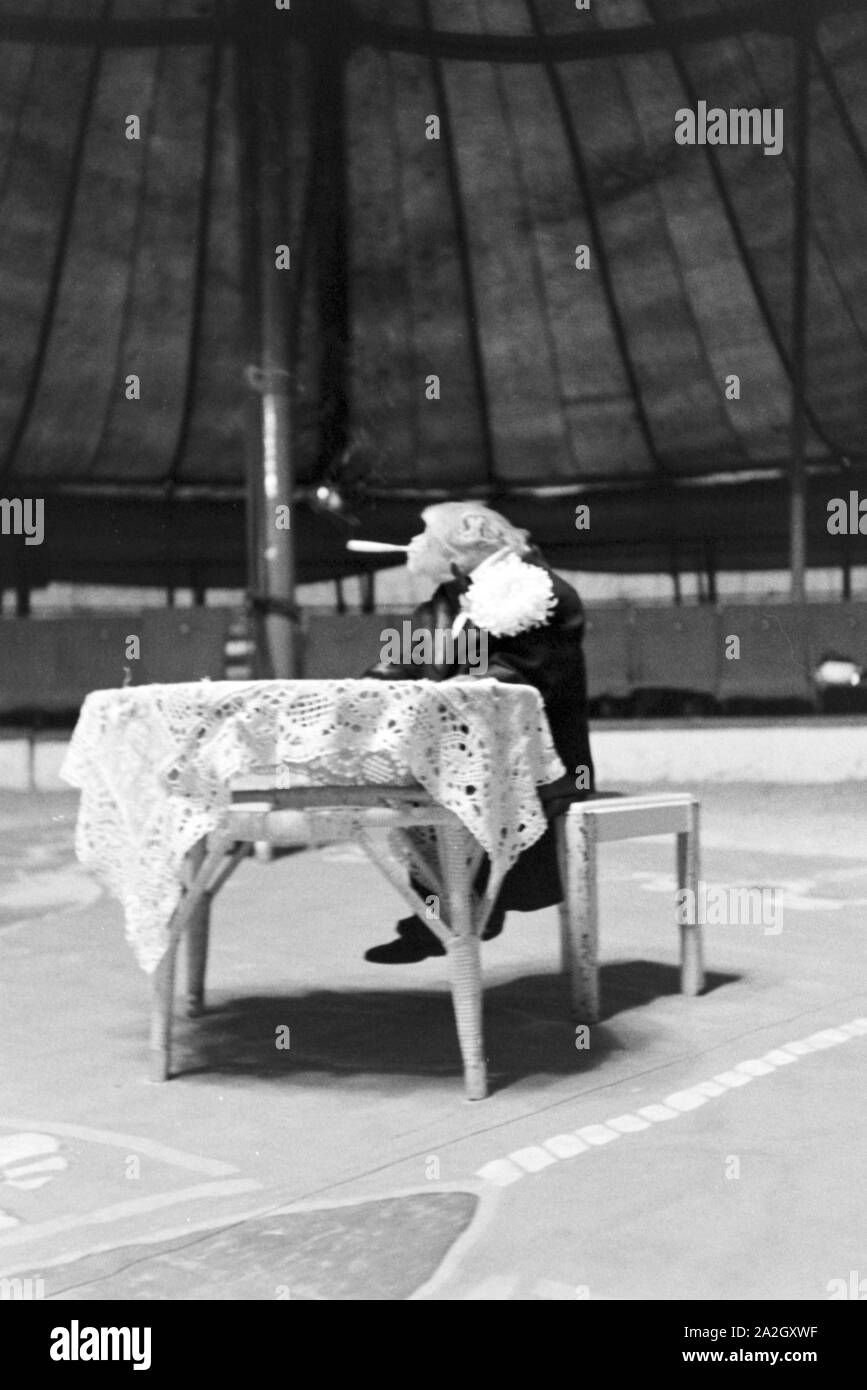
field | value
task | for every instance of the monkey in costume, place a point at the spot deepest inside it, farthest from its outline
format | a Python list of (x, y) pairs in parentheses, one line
[(457, 539)]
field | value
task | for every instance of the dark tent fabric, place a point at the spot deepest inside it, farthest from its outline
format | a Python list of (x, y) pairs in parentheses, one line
[(413, 257)]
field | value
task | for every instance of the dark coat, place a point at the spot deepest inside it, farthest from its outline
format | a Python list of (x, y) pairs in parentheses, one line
[(551, 658)]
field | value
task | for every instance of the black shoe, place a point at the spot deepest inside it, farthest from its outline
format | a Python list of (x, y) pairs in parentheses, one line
[(410, 946)]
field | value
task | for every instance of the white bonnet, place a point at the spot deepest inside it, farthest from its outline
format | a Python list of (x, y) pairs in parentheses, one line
[(472, 531)]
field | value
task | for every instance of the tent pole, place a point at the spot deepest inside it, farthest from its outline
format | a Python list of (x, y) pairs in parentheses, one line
[(327, 59), (368, 591), (277, 544), (710, 562), (800, 278), (244, 102), (261, 106), (675, 574)]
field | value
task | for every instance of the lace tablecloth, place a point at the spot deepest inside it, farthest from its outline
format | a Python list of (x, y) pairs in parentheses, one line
[(155, 763)]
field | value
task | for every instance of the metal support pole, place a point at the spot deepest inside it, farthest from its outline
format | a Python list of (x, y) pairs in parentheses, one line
[(368, 591), (710, 560), (262, 93), (675, 576), (21, 579), (277, 544), (327, 117), (800, 285), (244, 99)]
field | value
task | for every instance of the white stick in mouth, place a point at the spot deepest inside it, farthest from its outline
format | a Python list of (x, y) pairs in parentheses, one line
[(374, 547)]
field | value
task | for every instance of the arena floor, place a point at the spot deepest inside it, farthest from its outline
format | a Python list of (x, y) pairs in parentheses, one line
[(349, 1165)]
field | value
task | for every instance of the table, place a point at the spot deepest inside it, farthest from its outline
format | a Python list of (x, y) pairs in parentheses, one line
[(178, 781)]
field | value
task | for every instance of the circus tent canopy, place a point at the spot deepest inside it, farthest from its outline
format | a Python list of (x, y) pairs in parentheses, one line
[(413, 257)]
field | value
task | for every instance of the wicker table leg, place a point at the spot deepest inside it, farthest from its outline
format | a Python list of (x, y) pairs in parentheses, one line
[(197, 934), (466, 978), (191, 912), (162, 1009), (199, 928), (456, 856)]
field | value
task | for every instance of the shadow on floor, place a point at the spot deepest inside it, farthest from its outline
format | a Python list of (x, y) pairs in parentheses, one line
[(372, 1033), (628, 984)]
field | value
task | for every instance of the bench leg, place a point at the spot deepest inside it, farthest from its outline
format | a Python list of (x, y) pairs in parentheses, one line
[(579, 911), (691, 950), (464, 955)]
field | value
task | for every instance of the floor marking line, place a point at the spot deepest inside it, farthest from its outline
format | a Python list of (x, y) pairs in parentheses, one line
[(502, 1172), (684, 1101), (658, 1112), (597, 1134), (533, 1159), (24, 1234), (732, 1079), (628, 1124), (565, 1145), (55, 1164), (133, 1143), (778, 1057)]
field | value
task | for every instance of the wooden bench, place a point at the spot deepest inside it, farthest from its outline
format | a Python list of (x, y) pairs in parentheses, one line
[(599, 820)]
